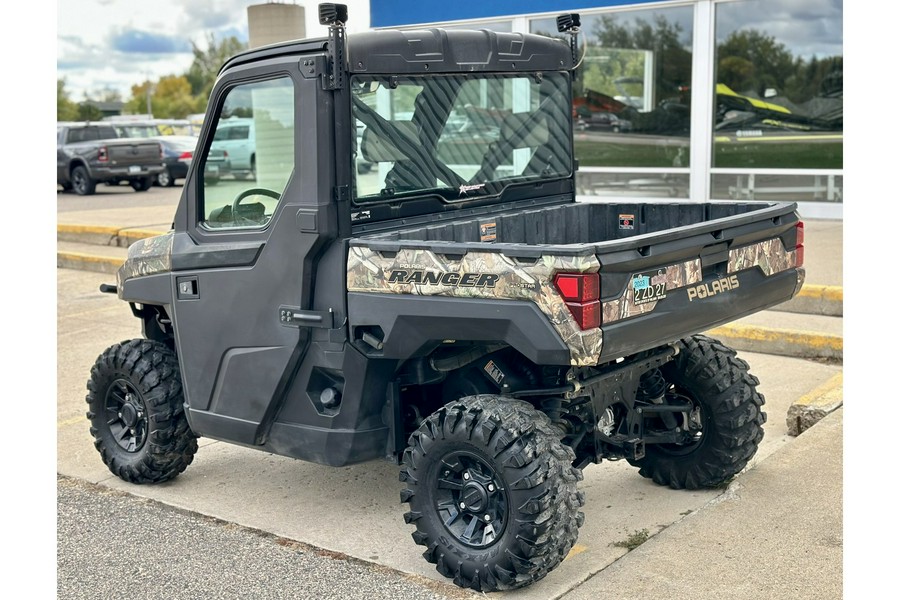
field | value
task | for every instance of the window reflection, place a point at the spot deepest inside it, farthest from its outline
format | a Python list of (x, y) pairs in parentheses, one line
[(779, 85), (631, 98)]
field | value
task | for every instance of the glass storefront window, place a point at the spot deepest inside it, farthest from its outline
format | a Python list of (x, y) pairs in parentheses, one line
[(779, 86), (631, 98)]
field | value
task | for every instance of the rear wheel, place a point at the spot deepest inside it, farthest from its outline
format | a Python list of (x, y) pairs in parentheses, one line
[(726, 411), (82, 182), (492, 493), (136, 411)]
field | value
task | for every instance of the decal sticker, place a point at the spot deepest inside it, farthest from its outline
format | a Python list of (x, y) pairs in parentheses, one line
[(494, 372), (488, 231), (626, 221)]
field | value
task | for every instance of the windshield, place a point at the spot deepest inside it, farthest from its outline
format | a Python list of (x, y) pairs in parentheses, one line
[(458, 136)]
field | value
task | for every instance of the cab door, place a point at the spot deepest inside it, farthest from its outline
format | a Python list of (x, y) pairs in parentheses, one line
[(242, 252)]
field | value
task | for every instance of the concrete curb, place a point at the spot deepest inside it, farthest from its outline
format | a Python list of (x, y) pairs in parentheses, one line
[(88, 262), (783, 342), (825, 300), (816, 405), (103, 236)]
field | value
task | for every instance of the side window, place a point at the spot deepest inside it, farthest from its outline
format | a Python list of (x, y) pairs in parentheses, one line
[(251, 157)]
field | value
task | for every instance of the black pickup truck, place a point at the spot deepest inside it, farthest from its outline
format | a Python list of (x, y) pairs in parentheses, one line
[(91, 153), (450, 306)]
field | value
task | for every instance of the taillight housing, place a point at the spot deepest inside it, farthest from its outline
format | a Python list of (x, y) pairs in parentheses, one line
[(102, 154), (801, 236), (186, 156), (581, 292)]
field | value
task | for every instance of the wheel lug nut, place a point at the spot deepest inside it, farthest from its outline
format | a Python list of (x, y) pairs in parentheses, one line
[(490, 487), (120, 415), (487, 518), (132, 431), (462, 505), (465, 475)]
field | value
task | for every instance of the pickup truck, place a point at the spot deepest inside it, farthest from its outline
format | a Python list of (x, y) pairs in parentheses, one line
[(92, 153), (451, 308)]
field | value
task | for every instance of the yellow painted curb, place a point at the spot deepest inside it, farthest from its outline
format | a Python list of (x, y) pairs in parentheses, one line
[(88, 262), (785, 342), (811, 408), (87, 229), (830, 293)]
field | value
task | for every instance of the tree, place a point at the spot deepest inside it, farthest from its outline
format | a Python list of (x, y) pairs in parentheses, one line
[(66, 110), (170, 98), (202, 73)]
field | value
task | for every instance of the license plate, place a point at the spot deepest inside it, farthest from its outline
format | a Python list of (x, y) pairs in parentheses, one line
[(134, 169), (212, 169), (649, 287)]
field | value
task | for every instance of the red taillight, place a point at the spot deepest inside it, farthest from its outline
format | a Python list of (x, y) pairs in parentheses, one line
[(225, 153), (801, 236), (578, 287), (102, 154), (581, 291), (186, 156)]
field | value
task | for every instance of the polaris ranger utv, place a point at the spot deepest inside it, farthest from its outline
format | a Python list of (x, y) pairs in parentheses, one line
[(409, 277)]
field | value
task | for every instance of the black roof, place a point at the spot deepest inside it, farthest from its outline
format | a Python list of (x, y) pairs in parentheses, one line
[(432, 50)]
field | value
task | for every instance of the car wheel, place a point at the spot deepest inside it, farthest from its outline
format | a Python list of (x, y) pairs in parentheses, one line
[(165, 179), (136, 410), (82, 182)]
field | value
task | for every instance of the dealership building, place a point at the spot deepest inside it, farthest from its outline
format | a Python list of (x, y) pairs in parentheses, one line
[(687, 100)]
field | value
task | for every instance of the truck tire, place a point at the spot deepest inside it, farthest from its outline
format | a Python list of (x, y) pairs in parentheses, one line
[(136, 411), (82, 182), (710, 376), (492, 493), (141, 185)]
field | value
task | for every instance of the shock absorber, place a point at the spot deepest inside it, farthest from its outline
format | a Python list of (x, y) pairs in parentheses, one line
[(652, 389)]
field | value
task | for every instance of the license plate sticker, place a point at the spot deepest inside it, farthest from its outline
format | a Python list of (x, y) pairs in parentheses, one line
[(134, 169), (648, 287)]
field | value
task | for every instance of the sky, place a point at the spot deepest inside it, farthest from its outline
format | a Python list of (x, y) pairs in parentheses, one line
[(115, 44)]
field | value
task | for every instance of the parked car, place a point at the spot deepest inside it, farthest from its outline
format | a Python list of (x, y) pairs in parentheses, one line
[(237, 137), (178, 152), (92, 153), (601, 121)]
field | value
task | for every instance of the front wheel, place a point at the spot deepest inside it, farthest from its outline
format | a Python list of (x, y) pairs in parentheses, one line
[(492, 493), (136, 411), (726, 412)]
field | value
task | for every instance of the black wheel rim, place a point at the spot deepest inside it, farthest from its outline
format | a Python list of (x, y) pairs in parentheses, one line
[(470, 499), (126, 415)]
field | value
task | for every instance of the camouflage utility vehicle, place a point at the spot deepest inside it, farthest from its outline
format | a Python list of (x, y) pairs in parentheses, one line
[(408, 276)]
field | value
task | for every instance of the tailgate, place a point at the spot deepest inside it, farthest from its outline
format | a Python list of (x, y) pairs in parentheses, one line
[(655, 293), (133, 153)]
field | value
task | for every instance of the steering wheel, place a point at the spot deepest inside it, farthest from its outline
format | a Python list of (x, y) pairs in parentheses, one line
[(235, 213)]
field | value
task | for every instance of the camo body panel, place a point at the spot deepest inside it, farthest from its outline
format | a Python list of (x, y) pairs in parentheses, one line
[(368, 271), (674, 276), (147, 257), (769, 255)]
